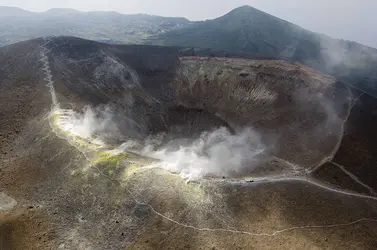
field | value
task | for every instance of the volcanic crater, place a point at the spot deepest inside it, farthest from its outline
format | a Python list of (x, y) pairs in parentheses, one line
[(115, 146)]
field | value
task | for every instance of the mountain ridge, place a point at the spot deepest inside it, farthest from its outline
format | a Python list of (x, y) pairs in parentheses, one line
[(244, 29), (250, 30), (4, 9), (104, 26), (244, 8)]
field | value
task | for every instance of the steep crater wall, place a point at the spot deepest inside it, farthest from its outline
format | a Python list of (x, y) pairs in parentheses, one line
[(299, 111)]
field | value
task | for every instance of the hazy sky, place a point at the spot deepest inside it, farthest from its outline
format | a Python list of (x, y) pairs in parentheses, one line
[(349, 19)]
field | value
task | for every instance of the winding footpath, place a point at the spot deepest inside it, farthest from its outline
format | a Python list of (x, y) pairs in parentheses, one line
[(47, 71)]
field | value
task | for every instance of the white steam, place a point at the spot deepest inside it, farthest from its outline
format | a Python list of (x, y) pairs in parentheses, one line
[(216, 153), (91, 124)]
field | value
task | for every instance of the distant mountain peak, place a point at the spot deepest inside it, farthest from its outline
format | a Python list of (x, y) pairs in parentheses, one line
[(61, 11), (245, 9), (11, 8), (246, 12), (7, 11)]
